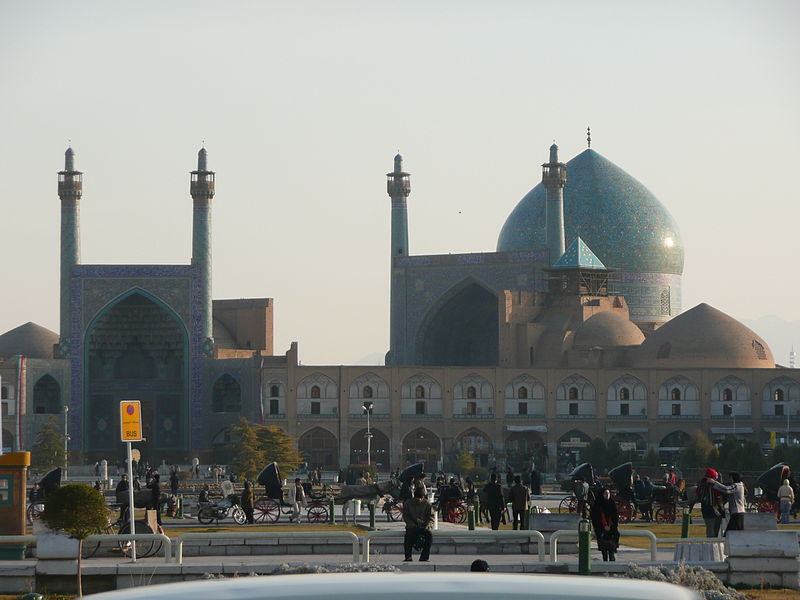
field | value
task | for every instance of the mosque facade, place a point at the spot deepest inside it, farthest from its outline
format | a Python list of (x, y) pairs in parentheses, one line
[(572, 329)]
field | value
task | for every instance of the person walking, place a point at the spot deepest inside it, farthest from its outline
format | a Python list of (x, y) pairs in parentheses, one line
[(519, 502), (605, 521), (297, 497), (536, 483), (248, 502), (494, 500), (709, 503), (173, 483), (736, 493), (786, 499), (581, 490), (418, 517), (155, 495), (204, 499)]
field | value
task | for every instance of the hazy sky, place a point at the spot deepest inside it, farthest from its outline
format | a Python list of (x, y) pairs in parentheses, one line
[(302, 106)]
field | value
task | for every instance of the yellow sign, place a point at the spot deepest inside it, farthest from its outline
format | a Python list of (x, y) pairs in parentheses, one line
[(772, 440), (130, 420)]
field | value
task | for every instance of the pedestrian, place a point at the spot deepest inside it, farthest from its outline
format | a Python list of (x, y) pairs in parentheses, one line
[(519, 502), (123, 485), (736, 492), (494, 500), (97, 485), (581, 490), (297, 497), (709, 503), (419, 484), (248, 502), (509, 477), (479, 566), (35, 494), (173, 482), (361, 480), (137, 486), (605, 521), (203, 498), (97, 469), (155, 495), (418, 517), (786, 499), (536, 483)]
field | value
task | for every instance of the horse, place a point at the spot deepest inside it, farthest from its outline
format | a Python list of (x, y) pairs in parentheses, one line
[(366, 493)]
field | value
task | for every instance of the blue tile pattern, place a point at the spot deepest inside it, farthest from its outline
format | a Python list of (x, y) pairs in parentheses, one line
[(579, 256)]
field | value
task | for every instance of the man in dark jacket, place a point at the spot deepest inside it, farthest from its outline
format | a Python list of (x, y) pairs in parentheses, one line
[(155, 498), (536, 483), (494, 500), (519, 502), (418, 516)]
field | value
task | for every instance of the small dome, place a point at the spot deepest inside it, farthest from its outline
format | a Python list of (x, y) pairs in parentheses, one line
[(607, 330), (30, 340), (705, 337)]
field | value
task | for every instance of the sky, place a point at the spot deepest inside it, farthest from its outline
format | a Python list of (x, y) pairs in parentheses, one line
[(302, 106)]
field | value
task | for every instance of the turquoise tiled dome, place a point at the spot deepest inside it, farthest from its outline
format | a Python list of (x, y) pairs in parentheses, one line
[(619, 218)]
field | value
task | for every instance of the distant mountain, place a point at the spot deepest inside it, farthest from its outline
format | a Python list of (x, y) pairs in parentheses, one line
[(374, 359), (781, 335)]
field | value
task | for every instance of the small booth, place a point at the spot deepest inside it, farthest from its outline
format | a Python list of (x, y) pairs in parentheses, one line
[(13, 481)]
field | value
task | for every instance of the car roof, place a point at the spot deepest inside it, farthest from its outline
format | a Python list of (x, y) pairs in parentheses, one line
[(401, 586)]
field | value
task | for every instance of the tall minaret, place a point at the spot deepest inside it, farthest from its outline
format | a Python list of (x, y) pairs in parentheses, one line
[(202, 190), (792, 359), (554, 178), (398, 186), (70, 190)]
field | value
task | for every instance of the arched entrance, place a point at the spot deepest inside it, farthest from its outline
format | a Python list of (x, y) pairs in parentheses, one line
[(569, 449), (422, 445), (379, 449), (47, 396), (319, 448), (671, 446), (476, 443), (137, 348), (462, 331), (523, 448)]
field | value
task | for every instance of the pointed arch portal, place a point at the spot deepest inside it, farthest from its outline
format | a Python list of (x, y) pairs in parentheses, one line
[(462, 331)]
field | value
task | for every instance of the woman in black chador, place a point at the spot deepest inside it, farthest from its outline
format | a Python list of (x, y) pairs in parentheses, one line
[(605, 521)]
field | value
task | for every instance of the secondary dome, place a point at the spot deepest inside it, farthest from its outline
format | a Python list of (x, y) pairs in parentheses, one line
[(618, 217), (30, 340), (705, 337), (607, 330)]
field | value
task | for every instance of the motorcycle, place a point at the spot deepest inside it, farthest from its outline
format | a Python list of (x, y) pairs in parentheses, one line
[(228, 507)]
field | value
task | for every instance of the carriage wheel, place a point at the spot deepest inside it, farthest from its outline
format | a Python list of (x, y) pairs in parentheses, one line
[(568, 505), (144, 548), (396, 511), (665, 514), (34, 511), (266, 510), (458, 514), (625, 511), (317, 513)]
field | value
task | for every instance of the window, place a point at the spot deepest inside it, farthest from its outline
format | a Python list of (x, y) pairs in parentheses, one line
[(522, 393), (5, 414), (778, 396), (573, 408), (472, 408), (315, 391), (367, 391), (573, 393), (675, 394), (727, 395), (274, 406), (315, 408), (625, 409), (420, 407), (4, 393), (523, 408), (274, 391), (779, 410), (419, 392), (227, 395), (676, 410), (727, 410), (47, 396), (471, 393), (624, 394)]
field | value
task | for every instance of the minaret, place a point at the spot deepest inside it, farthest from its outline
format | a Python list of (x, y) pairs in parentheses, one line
[(398, 186), (70, 190), (792, 359), (554, 178), (202, 190)]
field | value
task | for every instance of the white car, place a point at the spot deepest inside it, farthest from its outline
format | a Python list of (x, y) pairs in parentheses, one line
[(402, 586)]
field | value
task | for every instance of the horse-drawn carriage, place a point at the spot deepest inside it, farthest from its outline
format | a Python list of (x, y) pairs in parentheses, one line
[(47, 485), (268, 508), (769, 482)]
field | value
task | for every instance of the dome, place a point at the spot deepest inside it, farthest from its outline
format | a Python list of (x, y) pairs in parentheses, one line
[(705, 337), (607, 330), (30, 340), (618, 217)]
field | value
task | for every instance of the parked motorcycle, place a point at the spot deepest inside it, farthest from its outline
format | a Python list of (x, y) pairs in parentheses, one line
[(228, 507)]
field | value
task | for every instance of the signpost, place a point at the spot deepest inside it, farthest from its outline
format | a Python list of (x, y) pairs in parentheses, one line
[(130, 424)]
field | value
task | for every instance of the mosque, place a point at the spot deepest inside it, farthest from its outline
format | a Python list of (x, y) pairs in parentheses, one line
[(572, 329)]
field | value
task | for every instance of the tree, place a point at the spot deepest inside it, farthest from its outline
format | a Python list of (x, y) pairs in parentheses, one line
[(728, 453), (280, 447), (615, 455), (48, 451), (79, 511), (463, 463), (696, 452), (248, 456)]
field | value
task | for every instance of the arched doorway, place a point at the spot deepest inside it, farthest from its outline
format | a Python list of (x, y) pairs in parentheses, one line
[(422, 445), (476, 443), (319, 448), (137, 348), (524, 448), (671, 446), (569, 449), (46, 396), (379, 449), (462, 331)]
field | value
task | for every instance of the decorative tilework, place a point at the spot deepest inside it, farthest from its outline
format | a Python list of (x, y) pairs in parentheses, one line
[(578, 256)]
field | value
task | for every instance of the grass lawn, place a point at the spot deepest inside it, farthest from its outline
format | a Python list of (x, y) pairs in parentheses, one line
[(783, 594)]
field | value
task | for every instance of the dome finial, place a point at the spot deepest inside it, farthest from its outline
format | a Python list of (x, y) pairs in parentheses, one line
[(554, 153), (202, 158), (398, 163), (69, 158), (589, 136)]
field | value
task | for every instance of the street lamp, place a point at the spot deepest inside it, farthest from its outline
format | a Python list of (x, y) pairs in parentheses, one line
[(367, 408), (732, 406), (66, 439)]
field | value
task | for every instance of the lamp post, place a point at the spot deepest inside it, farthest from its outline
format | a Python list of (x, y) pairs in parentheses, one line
[(66, 440), (368, 410)]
